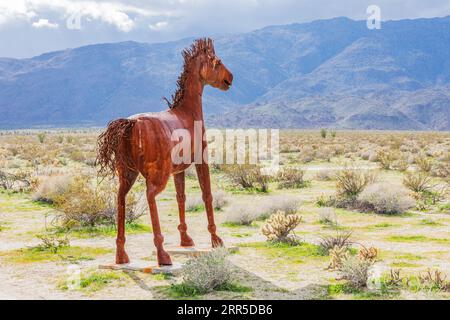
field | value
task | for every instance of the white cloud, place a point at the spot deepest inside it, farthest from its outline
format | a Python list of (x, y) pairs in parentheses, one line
[(44, 23), (159, 25), (14, 10), (118, 14)]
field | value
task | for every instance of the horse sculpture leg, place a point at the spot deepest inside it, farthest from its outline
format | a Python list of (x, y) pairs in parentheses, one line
[(205, 185), (163, 256), (179, 180), (126, 180)]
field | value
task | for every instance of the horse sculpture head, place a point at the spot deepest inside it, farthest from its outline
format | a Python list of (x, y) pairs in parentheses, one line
[(200, 60), (212, 71)]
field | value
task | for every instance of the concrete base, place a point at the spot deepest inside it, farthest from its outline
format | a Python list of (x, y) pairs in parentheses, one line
[(194, 251), (145, 267)]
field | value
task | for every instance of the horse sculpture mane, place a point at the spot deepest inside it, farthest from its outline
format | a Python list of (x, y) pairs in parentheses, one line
[(200, 46), (142, 144)]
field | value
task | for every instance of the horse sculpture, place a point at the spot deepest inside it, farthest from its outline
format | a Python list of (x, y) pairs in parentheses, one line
[(142, 144)]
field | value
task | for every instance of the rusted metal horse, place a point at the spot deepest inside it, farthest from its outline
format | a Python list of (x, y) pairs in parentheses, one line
[(142, 144)]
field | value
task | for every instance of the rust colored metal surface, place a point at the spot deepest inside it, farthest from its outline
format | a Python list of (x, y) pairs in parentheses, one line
[(143, 144)]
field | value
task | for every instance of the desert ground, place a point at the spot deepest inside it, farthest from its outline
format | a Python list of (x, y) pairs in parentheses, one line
[(364, 191)]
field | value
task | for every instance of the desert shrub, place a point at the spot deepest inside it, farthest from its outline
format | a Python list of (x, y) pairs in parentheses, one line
[(84, 204), (393, 279), (339, 240), (288, 205), (423, 163), (434, 280), (191, 172), (333, 133), (325, 201), (52, 242), (400, 164), (261, 208), (248, 176), (194, 204), (242, 214), (369, 254), (290, 178), (327, 215), (207, 272), (355, 270), (220, 200), (323, 133), (386, 159), (350, 182), (49, 188), (337, 256), (385, 199), (324, 175), (77, 155), (417, 181), (441, 170), (41, 137), (20, 181), (280, 226)]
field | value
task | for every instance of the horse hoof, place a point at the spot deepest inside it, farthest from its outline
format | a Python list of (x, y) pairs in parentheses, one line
[(164, 259), (122, 258), (187, 241), (216, 241)]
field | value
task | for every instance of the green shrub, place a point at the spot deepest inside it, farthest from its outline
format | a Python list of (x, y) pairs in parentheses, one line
[(41, 137), (207, 272)]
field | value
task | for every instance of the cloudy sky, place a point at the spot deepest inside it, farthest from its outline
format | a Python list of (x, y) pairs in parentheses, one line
[(31, 27)]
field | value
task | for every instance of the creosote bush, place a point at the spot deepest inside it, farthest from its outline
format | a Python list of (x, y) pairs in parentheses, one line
[(194, 204), (50, 188), (207, 272), (248, 176), (385, 199), (260, 209), (327, 215), (220, 200), (355, 270), (280, 226), (85, 204)]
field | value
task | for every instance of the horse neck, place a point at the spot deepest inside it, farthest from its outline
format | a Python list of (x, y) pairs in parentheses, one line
[(191, 105)]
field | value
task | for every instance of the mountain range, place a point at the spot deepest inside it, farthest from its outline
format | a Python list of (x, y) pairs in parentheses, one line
[(332, 73)]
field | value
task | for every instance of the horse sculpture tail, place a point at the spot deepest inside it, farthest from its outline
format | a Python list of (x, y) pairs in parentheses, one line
[(112, 148)]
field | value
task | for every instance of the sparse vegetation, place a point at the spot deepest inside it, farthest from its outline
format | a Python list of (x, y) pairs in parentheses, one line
[(210, 271), (291, 179), (351, 182), (385, 199), (338, 240), (417, 181), (36, 175), (280, 226)]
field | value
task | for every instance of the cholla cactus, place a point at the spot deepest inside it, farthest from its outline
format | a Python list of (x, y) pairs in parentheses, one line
[(368, 254), (337, 255), (279, 227)]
